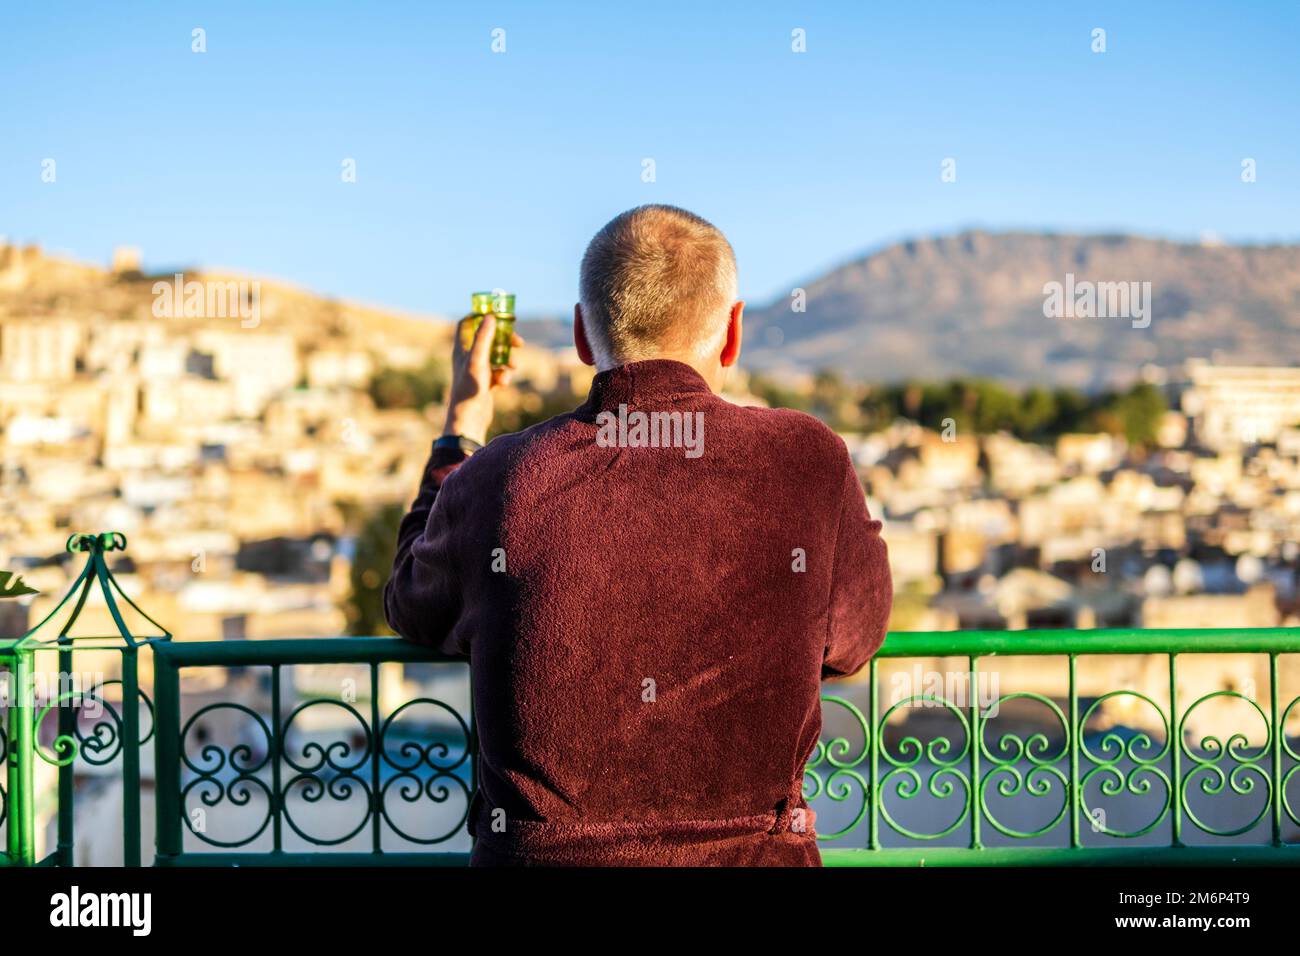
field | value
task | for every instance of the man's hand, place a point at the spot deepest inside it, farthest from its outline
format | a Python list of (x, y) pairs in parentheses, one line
[(473, 380)]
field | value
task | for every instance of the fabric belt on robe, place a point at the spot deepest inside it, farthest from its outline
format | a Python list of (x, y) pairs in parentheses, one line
[(668, 841)]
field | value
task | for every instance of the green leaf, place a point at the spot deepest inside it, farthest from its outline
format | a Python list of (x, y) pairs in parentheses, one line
[(11, 585)]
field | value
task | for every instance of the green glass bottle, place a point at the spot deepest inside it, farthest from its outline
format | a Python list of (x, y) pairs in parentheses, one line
[(502, 305)]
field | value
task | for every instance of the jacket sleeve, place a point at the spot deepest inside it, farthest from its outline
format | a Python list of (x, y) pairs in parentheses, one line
[(422, 599), (862, 591)]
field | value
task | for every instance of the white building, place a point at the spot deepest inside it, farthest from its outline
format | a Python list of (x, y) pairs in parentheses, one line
[(1241, 405), (39, 350)]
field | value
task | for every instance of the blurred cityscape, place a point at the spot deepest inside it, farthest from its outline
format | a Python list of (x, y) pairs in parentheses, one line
[(257, 469)]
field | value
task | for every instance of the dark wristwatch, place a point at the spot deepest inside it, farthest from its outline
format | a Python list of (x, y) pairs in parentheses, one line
[(467, 445)]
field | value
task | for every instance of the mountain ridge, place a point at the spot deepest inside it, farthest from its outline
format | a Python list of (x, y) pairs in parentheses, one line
[(971, 304)]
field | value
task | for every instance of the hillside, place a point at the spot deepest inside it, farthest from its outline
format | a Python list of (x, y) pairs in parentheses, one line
[(34, 285)]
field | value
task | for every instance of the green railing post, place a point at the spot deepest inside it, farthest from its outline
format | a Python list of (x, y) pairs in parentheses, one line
[(376, 798), (130, 757), (277, 755), (1074, 740), (1175, 746), (67, 726), (1275, 719), (976, 788), (878, 742), (167, 758), (22, 811), (8, 768)]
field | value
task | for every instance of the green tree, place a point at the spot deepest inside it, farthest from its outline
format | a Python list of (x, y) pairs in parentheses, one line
[(372, 562), (1072, 410), (410, 388), (1135, 414), (1037, 413)]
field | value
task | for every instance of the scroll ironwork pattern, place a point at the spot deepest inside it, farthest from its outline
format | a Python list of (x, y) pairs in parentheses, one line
[(1133, 766), (225, 775), (1159, 771), (945, 775), (413, 758), (1287, 778), (99, 744), (1220, 765), (836, 768), (356, 765), (1039, 779)]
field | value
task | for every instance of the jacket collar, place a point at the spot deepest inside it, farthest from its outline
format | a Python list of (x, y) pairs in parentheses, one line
[(641, 383)]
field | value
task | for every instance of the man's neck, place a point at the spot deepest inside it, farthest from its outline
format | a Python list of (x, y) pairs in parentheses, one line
[(711, 372)]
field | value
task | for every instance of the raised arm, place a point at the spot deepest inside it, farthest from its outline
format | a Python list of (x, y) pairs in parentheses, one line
[(862, 592), (422, 598)]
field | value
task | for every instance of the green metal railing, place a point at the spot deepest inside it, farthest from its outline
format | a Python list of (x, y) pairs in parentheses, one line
[(15, 754), (115, 731), (375, 768), (967, 774), (1166, 781)]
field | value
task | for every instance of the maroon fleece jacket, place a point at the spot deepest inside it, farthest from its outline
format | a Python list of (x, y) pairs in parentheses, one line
[(647, 629)]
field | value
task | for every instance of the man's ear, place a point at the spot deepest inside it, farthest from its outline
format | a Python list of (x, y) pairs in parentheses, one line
[(735, 332), (580, 337)]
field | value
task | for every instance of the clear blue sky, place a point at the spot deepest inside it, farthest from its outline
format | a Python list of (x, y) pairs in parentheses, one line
[(478, 169)]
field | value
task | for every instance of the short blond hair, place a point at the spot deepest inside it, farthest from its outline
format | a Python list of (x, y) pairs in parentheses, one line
[(654, 279)]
